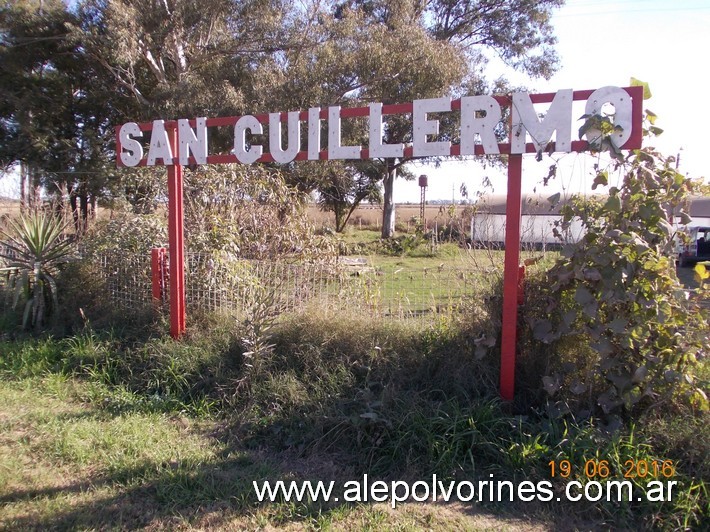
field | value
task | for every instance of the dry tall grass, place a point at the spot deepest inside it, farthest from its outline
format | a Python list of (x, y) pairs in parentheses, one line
[(364, 217), (9, 207), (370, 216)]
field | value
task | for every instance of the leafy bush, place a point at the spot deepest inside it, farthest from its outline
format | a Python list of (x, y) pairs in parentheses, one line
[(127, 232), (249, 212), (401, 245), (616, 292), (34, 246), (84, 298)]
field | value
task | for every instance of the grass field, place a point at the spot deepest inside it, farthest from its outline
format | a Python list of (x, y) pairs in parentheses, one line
[(69, 465), (101, 432), (9, 207), (370, 216)]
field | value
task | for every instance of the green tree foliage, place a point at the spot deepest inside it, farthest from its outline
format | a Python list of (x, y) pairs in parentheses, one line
[(615, 302), (232, 57), (71, 74), (342, 187), (176, 58), (428, 49), (517, 31), (56, 117)]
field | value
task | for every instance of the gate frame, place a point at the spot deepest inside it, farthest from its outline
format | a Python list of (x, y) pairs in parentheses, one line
[(513, 272)]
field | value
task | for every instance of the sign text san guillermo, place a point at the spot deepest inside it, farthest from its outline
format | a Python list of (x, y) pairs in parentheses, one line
[(480, 117)]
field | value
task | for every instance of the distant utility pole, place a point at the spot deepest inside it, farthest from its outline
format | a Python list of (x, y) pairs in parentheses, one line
[(423, 182)]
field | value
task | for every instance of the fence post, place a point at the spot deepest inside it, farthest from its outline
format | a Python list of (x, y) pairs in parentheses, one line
[(158, 274)]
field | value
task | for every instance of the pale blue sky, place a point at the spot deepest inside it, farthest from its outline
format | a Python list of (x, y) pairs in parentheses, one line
[(606, 42)]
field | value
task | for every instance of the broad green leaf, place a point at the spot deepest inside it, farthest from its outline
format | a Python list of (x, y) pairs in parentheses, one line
[(604, 347), (578, 387), (621, 381), (583, 296), (646, 89), (684, 218), (613, 204), (592, 274), (601, 179), (591, 309), (607, 402), (639, 375), (618, 325), (542, 331)]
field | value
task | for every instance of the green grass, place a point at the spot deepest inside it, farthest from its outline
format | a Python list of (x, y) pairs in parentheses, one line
[(454, 279), (66, 463), (406, 277), (101, 430)]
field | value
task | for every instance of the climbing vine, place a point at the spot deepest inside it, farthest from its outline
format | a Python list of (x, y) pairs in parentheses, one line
[(614, 296)]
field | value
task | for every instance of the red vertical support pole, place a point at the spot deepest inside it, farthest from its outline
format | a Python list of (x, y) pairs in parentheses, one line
[(159, 276), (513, 211), (176, 242)]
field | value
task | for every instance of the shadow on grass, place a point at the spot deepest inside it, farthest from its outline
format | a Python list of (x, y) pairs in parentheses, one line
[(141, 496), (216, 495), (219, 493)]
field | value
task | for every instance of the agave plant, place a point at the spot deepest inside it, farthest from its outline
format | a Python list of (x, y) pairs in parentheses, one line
[(34, 246)]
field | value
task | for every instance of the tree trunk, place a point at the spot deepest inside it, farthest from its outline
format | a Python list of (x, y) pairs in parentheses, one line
[(340, 220), (74, 210), (84, 208), (23, 187), (388, 210), (350, 212), (34, 196)]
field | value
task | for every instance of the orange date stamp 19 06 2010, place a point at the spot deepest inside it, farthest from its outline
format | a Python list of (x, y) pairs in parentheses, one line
[(631, 468)]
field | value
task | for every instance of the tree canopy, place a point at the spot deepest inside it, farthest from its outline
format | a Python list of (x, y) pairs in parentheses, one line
[(69, 74)]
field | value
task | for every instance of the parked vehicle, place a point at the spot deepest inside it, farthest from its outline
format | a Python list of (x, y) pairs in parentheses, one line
[(695, 248)]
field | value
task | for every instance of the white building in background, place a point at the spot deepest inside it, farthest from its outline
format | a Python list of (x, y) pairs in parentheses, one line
[(539, 217)]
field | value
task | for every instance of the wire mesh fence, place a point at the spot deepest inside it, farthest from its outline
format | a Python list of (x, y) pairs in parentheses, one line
[(223, 282), (127, 278)]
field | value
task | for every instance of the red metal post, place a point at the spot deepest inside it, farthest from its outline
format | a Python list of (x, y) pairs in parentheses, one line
[(513, 213), (176, 242), (159, 275)]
